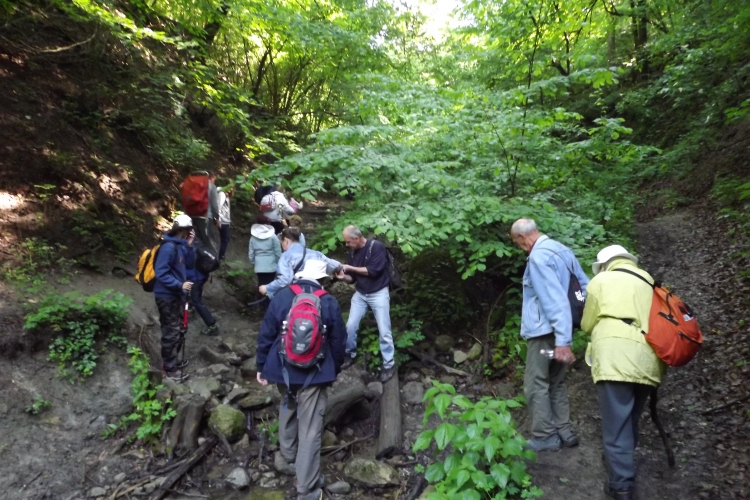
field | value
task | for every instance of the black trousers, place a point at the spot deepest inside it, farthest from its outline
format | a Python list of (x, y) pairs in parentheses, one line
[(196, 299), (170, 319)]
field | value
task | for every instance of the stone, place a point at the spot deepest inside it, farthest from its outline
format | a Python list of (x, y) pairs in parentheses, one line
[(348, 432), (243, 445), (120, 477), (505, 391), (228, 422), (371, 473), (263, 494), (238, 479), (163, 394), (97, 492), (257, 398), (329, 439), (339, 488), (427, 491), (204, 386), (210, 355), (219, 369), (459, 357), (475, 352), (233, 359), (177, 389), (411, 376), (98, 424), (374, 390), (412, 393), (444, 343), (447, 379), (249, 368), (268, 480), (235, 393)]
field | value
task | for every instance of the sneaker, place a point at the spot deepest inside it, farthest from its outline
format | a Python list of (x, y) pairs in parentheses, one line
[(569, 440), (349, 361), (387, 373), (282, 466), (176, 376), (626, 494), (181, 364), (552, 443), (211, 331), (316, 494)]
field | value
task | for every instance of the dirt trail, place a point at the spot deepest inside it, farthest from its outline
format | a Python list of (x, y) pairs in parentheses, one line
[(689, 251)]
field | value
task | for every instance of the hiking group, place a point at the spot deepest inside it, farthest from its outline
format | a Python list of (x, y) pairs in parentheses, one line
[(637, 327), (303, 342)]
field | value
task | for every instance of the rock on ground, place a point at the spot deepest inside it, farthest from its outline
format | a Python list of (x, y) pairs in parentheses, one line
[(238, 479), (444, 343), (228, 422), (371, 472), (459, 357), (475, 351), (339, 488), (412, 393)]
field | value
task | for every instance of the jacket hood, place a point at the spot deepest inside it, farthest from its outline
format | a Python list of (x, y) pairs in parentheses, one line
[(173, 239), (262, 231)]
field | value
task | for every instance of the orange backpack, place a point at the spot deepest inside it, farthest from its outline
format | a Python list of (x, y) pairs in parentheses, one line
[(673, 331), (195, 194)]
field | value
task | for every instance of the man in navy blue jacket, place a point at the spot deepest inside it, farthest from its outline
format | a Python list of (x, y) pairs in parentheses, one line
[(172, 262), (302, 412)]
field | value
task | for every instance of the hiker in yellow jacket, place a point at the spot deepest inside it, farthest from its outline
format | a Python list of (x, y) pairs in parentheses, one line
[(624, 366)]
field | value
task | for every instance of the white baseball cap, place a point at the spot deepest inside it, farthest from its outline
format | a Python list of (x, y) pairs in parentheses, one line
[(182, 221), (608, 253)]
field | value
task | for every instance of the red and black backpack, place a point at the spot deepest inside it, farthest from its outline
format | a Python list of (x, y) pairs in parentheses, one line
[(303, 334)]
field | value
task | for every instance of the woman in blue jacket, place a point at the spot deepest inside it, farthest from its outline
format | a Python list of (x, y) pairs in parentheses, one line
[(171, 267)]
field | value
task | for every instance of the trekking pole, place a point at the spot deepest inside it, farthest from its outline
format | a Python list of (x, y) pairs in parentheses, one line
[(183, 334), (655, 417)]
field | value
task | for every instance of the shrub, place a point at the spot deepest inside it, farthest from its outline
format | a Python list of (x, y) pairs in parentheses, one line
[(78, 322), (484, 451)]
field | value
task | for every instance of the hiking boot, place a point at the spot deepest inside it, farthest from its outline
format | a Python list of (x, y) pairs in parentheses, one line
[(349, 361), (176, 376), (387, 373), (316, 494), (282, 466), (211, 331), (626, 494), (181, 364), (569, 440), (551, 443)]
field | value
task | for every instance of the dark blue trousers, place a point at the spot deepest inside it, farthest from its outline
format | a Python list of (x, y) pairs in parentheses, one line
[(224, 235), (621, 404), (196, 299)]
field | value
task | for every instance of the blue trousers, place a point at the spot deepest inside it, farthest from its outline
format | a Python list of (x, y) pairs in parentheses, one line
[(224, 235), (380, 303), (196, 299)]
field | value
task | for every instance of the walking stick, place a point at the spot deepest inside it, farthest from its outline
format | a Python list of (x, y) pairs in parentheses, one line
[(655, 417), (183, 334)]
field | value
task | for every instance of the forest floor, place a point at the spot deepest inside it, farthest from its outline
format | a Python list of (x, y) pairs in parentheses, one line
[(59, 454)]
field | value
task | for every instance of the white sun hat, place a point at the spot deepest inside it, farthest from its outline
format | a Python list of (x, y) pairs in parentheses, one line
[(608, 253), (313, 270)]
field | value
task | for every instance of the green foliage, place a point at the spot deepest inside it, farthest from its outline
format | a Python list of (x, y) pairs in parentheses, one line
[(37, 406), (148, 412), (270, 430), (407, 332), (482, 449), (77, 323), (33, 257)]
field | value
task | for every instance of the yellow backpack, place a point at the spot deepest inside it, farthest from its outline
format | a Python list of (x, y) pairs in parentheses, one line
[(146, 274)]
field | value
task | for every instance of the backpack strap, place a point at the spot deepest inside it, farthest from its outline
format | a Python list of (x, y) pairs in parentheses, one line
[(320, 293), (369, 250), (632, 273), (296, 289), (561, 258), (301, 262)]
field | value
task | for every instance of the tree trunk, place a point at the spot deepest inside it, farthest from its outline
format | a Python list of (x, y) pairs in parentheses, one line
[(339, 402), (390, 417)]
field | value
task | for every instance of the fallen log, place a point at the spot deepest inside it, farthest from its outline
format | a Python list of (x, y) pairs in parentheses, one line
[(429, 359), (390, 416), (188, 464), (339, 402)]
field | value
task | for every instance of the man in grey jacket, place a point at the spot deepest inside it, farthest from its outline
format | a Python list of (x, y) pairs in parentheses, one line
[(547, 324)]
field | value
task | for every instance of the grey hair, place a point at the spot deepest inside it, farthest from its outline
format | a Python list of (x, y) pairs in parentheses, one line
[(523, 226), (353, 231)]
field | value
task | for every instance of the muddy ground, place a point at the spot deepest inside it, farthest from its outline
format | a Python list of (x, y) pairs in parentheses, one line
[(59, 453)]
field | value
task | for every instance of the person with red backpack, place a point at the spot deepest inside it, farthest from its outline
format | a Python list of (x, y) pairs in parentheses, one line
[(301, 348), (624, 366), (200, 199)]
